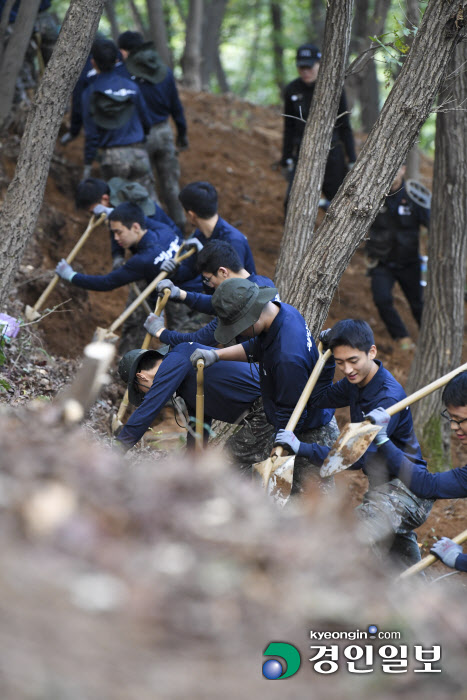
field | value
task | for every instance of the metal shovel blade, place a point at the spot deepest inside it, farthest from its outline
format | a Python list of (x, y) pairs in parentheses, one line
[(31, 314), (351, 444), (277, 475)]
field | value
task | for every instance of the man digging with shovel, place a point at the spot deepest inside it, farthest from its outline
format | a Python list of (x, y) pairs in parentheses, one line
[(390, 511), (281, 342)]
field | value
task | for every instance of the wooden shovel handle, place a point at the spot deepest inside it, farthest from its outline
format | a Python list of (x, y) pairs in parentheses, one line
[(306, 393), (146, 292), (428, 389), (430, 559), (199, 404), (161, 302), (93, 223)]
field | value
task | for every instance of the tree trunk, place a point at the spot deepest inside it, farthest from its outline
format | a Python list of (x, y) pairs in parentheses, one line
[(214, 11), (157, 29), (138, 20), (254, 49), (4, 25), (317, 21), (412, 20), (14, 54), (304, 198), (439, 346), (191, 59), (311, 284), (277, 45), (220, 73), (23, 199), (112, 17)]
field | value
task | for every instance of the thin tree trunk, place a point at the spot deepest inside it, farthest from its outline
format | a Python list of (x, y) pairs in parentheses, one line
[(439, 346), (214, 12), (277, 45), (317, 21), (220, 73), (138, 20), (4, 26), (158, 30), (191, 60), (14, 54), (304, 198), (17, 220), (112, 17), (252, 60), (311, 285)]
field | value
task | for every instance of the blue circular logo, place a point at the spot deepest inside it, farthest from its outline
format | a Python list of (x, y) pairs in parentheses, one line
[(272, 669), (372, 629)]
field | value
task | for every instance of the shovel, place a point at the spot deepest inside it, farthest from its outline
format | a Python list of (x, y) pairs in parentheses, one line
[(430, 559), (355, 438), (107, 334), (32, 312), (199, 404), (117, 418), (277, 470)]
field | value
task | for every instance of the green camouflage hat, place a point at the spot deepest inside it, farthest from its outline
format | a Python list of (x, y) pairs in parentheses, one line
[(145, 63), (128, 367), (238, 304), (125, 191)]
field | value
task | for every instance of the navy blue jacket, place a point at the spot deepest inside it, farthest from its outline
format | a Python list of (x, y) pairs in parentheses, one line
[(145, 264), (163, 101), (166, 235), (382, 390), (228, 391), (131, 132), (222, 232), (88, 74), (203, 303), (287, 354)]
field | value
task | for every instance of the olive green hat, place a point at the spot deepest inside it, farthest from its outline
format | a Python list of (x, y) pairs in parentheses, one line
[(238, 304), (128, 367)]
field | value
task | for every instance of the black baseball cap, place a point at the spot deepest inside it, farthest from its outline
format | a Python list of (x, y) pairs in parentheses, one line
[(308, 55)]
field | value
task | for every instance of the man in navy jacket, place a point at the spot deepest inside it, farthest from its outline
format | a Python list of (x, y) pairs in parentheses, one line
[(390, 510)]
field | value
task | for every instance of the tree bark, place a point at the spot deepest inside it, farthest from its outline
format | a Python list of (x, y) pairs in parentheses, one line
[(4, 25), (213, 16), (112, 17), (14, 54), (412, 21), (191, 59), (254, 48), (311, 284), (277, 45), (439, 346), (23, 199), (304, 198), (138, 20), (317, 21), (157, 29)]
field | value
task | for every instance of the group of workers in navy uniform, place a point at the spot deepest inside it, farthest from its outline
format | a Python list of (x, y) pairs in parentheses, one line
[(258, 351)]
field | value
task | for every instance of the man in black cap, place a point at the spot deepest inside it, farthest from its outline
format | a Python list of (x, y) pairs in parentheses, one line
[(297, 101), (281, 342)]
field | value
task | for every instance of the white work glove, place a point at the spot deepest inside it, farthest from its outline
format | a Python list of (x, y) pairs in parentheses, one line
[(287, 439), (66, 138), (193, 242), (101, 209), (87, 171), (153, 324), (169, 266), (209, 357), (168, 284), (379, 416), (446, 550), (64, 270)]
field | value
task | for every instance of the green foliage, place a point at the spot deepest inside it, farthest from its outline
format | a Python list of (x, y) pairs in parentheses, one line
[(3, 382)]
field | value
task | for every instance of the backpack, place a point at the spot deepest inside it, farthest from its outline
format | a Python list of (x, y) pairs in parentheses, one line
[(111, 109)]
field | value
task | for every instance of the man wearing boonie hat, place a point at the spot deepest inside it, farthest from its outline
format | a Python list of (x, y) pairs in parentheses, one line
[(281, 343), (298, 96)]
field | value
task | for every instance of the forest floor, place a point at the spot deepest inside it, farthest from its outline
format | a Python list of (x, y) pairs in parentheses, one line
[(236, 146)]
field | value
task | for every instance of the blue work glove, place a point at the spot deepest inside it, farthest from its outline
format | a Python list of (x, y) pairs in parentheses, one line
[(182, 142), (324, 338), (64, 270), (379, 417), (101, 209), (168, 284), (287, 439), (193, 242), (154, 323), (169, 266), (446, 550), (209, 357)]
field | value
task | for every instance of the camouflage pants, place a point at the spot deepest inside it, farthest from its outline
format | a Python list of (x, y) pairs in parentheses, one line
[(164, 159), (389, 514), (253, 442), (130, 163)]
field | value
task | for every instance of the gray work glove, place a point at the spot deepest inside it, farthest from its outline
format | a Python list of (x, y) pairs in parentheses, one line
[(182, 142), (193, 242), (168, 284), (101, 209), (324, 338), (64, 270), (169, 266), (287, 169), (287, 439), (446, 550), (379, 416), (209, 357), (117, 262), (66, 138), (350, 166), (87, 171), (154, 323)]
